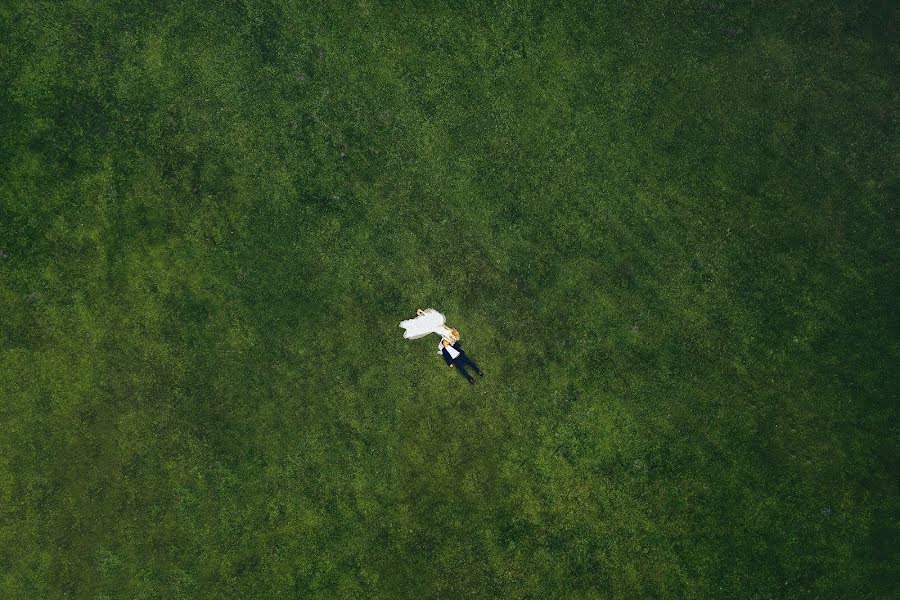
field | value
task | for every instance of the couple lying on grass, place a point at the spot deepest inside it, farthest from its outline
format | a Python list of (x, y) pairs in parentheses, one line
[(431, 321)]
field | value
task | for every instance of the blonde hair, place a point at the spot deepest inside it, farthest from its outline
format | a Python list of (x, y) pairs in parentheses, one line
[(454, 333)]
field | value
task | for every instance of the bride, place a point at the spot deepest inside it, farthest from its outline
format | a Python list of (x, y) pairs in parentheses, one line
[(428, 321)]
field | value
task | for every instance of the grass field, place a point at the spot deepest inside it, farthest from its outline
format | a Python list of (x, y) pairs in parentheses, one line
[(666, 230)]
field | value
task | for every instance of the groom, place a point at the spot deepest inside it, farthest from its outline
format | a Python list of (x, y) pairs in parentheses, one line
[(455, 357)]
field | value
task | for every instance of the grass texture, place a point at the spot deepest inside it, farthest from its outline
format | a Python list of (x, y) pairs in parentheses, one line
[(666, 230)]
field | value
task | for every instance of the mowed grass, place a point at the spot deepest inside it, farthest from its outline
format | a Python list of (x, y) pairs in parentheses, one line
[(666, 231)]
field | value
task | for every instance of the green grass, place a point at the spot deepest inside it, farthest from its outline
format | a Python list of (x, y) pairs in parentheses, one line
[(666, 230)]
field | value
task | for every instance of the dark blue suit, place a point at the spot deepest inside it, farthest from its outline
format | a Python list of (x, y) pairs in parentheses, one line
[(460, 362)]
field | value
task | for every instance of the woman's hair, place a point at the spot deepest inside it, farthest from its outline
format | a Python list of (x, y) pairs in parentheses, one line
[(454, 333)]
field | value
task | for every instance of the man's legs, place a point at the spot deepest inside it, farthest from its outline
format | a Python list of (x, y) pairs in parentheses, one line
[(469, 362), (459, 367)]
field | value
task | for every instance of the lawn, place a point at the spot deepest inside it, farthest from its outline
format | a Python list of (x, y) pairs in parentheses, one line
[(667, 232)]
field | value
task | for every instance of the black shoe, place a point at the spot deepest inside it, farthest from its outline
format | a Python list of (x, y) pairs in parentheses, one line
[(480, 374), (472, 381)]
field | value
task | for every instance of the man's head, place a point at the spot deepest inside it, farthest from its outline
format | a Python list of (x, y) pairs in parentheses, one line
[(455, 334)]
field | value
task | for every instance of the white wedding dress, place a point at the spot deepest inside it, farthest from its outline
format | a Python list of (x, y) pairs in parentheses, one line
[(430, 321)]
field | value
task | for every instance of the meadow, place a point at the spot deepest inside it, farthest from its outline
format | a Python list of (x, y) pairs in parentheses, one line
[(667, 232)]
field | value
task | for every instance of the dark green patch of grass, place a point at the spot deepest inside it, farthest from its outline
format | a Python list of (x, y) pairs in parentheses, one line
[(666, 232)]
